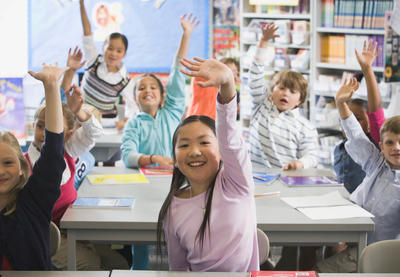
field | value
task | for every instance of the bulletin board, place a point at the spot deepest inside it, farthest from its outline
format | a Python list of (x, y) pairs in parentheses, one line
[(151, 26)]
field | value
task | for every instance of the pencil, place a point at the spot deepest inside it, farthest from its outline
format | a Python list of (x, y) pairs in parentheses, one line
[(259, 178)]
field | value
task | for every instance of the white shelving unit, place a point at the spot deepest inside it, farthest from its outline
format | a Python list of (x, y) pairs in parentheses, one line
[(246, 17), (316, 66)]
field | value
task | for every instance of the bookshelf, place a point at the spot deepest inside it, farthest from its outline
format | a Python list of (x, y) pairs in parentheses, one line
[(321, 94)]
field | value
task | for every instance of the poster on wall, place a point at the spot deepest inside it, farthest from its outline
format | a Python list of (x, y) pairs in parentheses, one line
[(152, 27), (226, 19), (392, 52), (12, 109)]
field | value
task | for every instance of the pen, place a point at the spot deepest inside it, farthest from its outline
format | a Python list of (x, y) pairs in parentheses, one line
[(259, 178), (267, 194)]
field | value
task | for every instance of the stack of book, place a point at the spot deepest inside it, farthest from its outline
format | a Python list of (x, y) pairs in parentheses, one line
[(339, 49), (303, 7), (362, 14)]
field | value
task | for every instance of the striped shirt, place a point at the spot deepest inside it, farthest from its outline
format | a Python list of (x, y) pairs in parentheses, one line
[(277, 138)]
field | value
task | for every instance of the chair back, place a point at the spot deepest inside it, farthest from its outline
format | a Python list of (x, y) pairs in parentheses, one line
[(381, 257), (263, 245), (55, 239)]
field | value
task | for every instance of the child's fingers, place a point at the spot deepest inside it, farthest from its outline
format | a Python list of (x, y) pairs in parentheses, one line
[(370, 45), (375, 46), (199, 59), (188, 72), (378, 52), (205, 84), (190, 64), (365, 45)]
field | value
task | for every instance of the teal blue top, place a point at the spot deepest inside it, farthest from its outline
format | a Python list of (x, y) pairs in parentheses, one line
[(145, 135)]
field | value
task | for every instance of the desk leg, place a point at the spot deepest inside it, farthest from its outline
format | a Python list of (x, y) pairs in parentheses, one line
[(362, 243), (71, 247)]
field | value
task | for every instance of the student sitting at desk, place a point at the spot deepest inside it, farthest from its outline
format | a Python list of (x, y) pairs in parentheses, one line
[(26, 201), (208, 217), (379, 192), (147, 137)]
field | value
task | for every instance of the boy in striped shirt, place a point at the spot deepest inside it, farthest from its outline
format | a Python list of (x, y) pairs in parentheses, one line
[(279, 135)]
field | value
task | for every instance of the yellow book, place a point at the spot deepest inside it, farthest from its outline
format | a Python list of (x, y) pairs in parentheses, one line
[(104, 179)]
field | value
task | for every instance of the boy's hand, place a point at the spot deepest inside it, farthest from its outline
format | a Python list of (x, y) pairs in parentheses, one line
[(293, 165), (74, 60), (188, 24), (368, 54), (214, 72), (346, 91), (75, 99), (164, 161), (48, 73), (268, 32)]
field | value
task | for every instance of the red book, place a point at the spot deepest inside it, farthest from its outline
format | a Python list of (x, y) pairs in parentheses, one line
[(284, 274)]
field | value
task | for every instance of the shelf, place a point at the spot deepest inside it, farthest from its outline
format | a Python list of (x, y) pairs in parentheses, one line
[(350, 31), (293, 46), (277, 16), (345, 67)]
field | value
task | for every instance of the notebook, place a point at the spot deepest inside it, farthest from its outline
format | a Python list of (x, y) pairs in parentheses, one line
[(264, 178), (310, 181), (112, 179), (104, 202)]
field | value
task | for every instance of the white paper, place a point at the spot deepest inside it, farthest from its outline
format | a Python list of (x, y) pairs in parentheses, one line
[(347, 211), (330, 199)]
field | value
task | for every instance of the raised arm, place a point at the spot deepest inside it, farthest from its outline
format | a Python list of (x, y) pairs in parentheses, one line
[(365, 59), (188, 24), (74, 63), (49, 75), (75, 102), (87, 29), (344, 94), (256, 73)]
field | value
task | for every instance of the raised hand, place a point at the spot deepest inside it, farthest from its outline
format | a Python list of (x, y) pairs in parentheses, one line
[(74, 60), (293, 165), (346, 91), (214, 72), (74, 99), (268, 32), (189, 23), (368, 54), (48, 73)]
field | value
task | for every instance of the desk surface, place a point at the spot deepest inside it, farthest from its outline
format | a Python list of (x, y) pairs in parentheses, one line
[(272, 213), (145, 273), (55, 273)]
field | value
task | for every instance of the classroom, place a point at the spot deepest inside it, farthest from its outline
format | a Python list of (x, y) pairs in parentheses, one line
[(200, 138)]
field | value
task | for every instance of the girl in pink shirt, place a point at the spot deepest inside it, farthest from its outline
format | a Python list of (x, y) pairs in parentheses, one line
[(209, 217)]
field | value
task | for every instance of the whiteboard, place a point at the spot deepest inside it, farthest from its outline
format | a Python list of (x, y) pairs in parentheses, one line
[(153, 32)]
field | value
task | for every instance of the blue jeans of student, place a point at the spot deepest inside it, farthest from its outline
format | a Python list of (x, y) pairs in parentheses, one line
[(140, 257)]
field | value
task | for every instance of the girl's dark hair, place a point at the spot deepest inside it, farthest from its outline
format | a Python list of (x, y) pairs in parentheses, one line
[(148, 75), (178, 180), (116, 36)]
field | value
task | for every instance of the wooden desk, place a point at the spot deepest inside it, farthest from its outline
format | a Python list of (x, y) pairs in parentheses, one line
[(283, 224), (55, 273)]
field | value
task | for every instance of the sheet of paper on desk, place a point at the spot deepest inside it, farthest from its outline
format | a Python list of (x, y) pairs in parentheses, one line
[(106, 179), (309, 181), (347, 211), (103, 202), (330, 199)]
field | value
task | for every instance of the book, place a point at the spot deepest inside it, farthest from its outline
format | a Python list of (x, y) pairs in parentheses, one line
[(113, 179), (309, 181), (284, 274), (156, 170), (264, 178), (104, 202)]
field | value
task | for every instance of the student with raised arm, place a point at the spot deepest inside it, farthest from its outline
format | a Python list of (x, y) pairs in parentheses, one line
[(26, 201), (348, 171), (209, 217), (279, 135), (379, 192), (147, 136), (106, 78)]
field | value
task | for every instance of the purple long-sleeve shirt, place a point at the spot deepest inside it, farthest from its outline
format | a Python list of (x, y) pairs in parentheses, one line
[(231, 245)]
